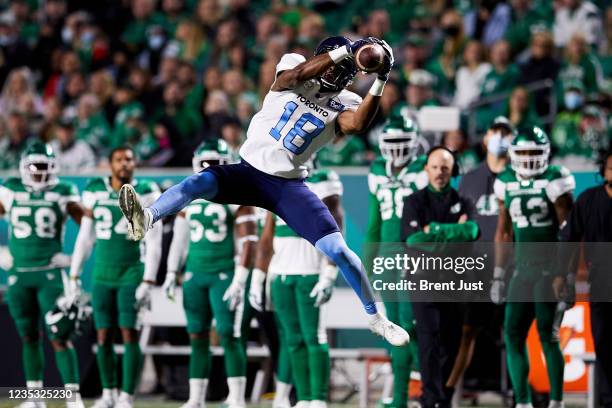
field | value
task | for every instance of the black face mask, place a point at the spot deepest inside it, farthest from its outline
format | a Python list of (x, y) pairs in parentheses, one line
[(451, 30)]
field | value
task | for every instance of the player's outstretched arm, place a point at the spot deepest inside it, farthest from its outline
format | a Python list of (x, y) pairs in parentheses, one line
[(176, 254), (263, 255), (351, 122), (83, 245)]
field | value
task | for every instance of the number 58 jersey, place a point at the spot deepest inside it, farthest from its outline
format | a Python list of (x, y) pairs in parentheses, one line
[(36, 221), (293, 124)]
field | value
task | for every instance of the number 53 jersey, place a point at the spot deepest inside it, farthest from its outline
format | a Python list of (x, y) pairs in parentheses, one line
[(530, 202), (293, 124), (36, 221)]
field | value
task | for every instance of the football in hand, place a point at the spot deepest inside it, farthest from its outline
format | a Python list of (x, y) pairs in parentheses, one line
[(370, 58)]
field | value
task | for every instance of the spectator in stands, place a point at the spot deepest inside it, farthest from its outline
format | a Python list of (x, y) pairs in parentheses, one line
[(379, 25), (456, 141), (580, 65), (144, 17), (231, 132), (91, 125), (527, 19), (19, 84), (129, 112), (471, 75), (344, 150), (216, 110), (418, 94), (75, 87), (234, 86), (504, 74), (415, 56), (267, 26), (174, 14), (311, 30), (488, 22), (192, 44), (185, 118), (14, 51), (140, 81), (72, 155), (209, 15), (541, 65), (577, 17), (520, 111), (14, 142), (227, 36), (69, 64), (447, 53), (102, 85)]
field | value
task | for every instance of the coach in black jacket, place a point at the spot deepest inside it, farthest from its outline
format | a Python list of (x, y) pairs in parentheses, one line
[(438, 324)]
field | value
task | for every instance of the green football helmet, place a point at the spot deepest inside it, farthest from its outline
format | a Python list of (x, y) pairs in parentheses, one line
[(399, 140), (69, 317), (39, 167), (529, 152), (210, 153)]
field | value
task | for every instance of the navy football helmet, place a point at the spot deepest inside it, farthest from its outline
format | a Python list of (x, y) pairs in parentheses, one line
[(341, 74)]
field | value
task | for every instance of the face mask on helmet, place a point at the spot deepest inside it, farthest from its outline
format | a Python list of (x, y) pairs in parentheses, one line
[(397, 146), (38, 171), (339, 76), (529, 160), (207, 159)]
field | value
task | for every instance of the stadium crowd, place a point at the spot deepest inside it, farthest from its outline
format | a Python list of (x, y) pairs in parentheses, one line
[(165, 75)]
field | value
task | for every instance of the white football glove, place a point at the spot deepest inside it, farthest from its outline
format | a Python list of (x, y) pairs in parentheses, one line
[(143, 296), (169, 286), (60, 260), (256, 291), (498, 291), (73, 290), (235, 292), (322, 291), (498, 286), (6, 259)]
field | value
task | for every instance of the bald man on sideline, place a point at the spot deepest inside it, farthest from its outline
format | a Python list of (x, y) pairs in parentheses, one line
[(432, 215)]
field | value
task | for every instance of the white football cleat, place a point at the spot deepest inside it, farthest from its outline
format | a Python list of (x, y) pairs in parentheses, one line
[(125, 400), (104, 403), (139, 220), (394, 334), (302, 404), (191, 404), (32, 404)]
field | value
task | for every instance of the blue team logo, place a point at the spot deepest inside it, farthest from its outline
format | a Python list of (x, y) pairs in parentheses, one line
[(335, 105)]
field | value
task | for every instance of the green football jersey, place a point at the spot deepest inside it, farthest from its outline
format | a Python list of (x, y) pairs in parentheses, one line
[(36, 221), (530, 202), (387, 194), (211, 238), (112, 246)]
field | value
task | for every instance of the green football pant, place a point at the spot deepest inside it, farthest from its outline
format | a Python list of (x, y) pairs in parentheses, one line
[(283, 369), (114, 306), (306, 339), (404, 359), (203, 300), (517, 320), (30, 296)]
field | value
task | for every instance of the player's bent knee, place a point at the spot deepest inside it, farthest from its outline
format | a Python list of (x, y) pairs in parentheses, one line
[(202, 185)]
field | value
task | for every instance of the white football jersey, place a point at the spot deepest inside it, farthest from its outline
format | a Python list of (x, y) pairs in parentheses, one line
[(293, 124), (294, 255)]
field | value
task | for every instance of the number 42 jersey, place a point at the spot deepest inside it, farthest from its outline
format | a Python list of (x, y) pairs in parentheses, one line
[(293, 124)]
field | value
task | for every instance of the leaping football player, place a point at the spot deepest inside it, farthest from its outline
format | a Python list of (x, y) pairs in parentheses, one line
[(306, 107)]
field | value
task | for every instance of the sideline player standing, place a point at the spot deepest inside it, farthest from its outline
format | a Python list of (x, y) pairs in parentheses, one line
[(302, 280), (122, 276), (306, 107), (213, 284), (37, 206), (392, 178), (534, 200)]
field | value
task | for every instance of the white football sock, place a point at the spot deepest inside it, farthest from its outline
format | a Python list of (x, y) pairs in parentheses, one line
[(197, 390), (237, 388)]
